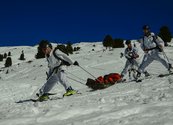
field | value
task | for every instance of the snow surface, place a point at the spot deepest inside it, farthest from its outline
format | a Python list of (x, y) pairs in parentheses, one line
[(147, 103)]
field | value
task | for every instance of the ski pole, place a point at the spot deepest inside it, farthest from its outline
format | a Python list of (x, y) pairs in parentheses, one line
[(76, 80), (96, 68), (90, 74), (165, 56), (87, 72)]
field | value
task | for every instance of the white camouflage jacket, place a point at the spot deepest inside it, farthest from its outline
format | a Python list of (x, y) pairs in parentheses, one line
[(54, 62), (148, 42), (131, 53)]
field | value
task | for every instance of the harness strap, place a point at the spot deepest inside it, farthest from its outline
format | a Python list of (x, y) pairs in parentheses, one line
[(154, 40), (63, 62)]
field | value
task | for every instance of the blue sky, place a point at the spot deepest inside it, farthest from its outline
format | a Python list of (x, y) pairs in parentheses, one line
[(26, 22)]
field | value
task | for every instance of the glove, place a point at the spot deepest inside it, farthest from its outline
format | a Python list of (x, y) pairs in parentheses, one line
[(135, 56), (130, 55), (76, 63), (160, 48)]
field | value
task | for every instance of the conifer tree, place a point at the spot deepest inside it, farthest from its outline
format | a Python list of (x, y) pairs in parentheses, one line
[(22, 56), (5, 55), (1, 57), (107, 42), (69, 48), (8, 62), (40, 54), (9, 53), (165, 34)]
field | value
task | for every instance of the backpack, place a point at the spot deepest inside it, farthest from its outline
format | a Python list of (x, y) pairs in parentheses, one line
[(63, 62)]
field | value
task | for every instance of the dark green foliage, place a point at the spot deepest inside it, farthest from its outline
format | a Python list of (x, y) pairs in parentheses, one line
[(107, 42), (118, 43), (5, 55), (165, 34), (9, 53), (22, 56), (8, 62), (76, 49), (1, 57), (69, 48), (40, 54), (62, 48)]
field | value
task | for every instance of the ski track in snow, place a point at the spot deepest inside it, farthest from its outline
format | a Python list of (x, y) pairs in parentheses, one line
[(147, 103)]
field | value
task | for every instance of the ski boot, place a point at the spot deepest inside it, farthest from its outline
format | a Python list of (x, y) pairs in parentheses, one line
[(70, 91), (43, 97), (146, 74), (170, 71), (138, 75)]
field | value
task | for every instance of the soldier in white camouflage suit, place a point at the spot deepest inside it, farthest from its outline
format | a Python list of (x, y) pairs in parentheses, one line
[(57, 62), (132, 62), (152, 46)]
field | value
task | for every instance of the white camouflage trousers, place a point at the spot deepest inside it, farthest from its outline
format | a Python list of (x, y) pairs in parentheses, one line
[(60, 77), (149, 58), (130, 64)]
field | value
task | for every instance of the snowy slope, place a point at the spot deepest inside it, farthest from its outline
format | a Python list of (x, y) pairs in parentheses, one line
[(147, 103)]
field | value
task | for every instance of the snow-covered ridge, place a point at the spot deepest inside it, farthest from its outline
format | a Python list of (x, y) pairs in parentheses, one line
[(146, 103)]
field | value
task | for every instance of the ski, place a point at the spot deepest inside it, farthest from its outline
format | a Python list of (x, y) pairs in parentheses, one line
[(51, 98), (56, 98), (77, 92), (27, 100), (163, 75), (138, 80), (33, 100), (127, 81), (37, 94), (144, 78)]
